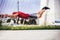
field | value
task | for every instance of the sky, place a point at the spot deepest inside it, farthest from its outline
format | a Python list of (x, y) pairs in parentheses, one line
[(27, 6)]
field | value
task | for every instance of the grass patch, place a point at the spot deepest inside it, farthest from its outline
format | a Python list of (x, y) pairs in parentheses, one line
[(28, 27)]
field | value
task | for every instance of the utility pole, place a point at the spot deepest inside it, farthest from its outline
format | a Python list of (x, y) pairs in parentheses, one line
[(18, 5), (17, 10)]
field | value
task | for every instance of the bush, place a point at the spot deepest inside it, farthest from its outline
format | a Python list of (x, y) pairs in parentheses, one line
[(8, 20), (0, 22)]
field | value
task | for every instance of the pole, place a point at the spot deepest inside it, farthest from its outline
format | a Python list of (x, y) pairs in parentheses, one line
[(18, 5), (17, 10)]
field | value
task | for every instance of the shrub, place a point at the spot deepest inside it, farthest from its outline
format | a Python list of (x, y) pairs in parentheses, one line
[(0, 22)]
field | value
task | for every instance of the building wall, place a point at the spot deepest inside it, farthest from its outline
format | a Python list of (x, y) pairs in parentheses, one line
[(41, 21), (53, 15), (57, 10)]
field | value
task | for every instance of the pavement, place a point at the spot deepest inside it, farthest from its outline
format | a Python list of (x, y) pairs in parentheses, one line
[(29, 34)]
